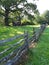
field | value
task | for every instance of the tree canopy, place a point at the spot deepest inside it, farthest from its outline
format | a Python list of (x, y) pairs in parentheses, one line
[(45, 15), (18, 7)]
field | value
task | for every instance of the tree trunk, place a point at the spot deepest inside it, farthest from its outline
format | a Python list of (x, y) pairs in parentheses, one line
[(19, 20), (6, 17)]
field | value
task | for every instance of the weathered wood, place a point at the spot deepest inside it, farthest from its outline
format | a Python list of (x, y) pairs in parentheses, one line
[(11, 46), (20, 50), (25, 46), (26, 38), (2, 42), (37, 34), (18, 55), (6, 58)]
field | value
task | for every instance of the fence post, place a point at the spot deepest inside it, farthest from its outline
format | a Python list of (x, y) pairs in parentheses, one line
[(33, 31), (34, 34), (26, 39)]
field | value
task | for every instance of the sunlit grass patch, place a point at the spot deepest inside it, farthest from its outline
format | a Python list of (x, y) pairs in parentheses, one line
[(7, 32), (19, 32)]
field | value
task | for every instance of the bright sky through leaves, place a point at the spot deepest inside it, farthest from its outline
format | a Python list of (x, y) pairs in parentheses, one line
[(42, 5)]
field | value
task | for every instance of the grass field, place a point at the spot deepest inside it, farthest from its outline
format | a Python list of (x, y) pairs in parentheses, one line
[(8, 32), (40, 54)]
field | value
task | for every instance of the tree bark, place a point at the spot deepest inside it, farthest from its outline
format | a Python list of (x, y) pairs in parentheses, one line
[(19, 20), (6, 17)]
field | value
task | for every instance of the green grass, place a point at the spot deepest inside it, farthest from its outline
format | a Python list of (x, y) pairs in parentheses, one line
[(8, 32), (40, 54)]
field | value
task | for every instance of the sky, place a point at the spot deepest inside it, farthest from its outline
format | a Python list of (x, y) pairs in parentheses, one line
[(42, 5)]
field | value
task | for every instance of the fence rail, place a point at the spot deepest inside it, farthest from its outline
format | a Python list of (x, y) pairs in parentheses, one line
[(2, 42), (13, 57)]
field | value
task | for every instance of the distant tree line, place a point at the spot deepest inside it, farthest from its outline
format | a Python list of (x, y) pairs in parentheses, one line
[(42, 18)]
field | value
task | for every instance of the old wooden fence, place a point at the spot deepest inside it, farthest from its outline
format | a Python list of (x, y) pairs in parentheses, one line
[(14, 57)]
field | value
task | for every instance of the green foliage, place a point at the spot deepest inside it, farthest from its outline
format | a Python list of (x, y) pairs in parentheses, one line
[(39, 19), (45, 15), (18, 9)]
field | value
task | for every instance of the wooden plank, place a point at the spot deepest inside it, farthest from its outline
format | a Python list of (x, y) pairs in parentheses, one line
[(9, 55), (18, 55), (11, 46), (2, 42)]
